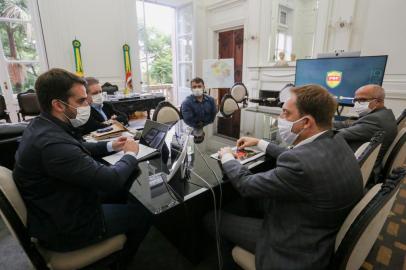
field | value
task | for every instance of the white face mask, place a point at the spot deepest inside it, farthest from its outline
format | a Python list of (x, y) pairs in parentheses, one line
[(82, 115), (197, 92), (285, 130), (362, 108), (98, 99)]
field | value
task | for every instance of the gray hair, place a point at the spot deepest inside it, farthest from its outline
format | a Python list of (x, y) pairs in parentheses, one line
[(377, 91), (90, 81)]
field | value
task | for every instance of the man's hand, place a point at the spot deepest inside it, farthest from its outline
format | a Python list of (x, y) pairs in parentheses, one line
[(131, 146), (118, 144), (224, 151), (113, 117), (246, 142)]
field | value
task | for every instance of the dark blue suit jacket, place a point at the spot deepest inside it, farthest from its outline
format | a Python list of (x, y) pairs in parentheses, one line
[(59, 180)]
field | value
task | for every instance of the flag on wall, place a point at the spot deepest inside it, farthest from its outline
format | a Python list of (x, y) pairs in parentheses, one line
[(127, 68), (78, 58)]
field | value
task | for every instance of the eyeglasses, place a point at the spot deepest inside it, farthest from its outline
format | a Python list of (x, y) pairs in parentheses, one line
[(362, 99)]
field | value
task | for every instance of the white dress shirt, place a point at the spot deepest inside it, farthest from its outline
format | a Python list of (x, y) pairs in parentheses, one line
[(110, 149)]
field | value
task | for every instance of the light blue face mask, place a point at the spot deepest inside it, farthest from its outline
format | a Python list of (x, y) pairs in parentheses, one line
[(285, 130)]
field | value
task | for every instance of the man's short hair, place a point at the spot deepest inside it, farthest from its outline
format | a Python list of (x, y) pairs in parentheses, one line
[(197, 80), (316, 101), (90, 81), (56, 83)]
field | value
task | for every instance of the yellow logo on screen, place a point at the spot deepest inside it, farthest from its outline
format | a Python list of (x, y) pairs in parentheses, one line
[(333, 78)]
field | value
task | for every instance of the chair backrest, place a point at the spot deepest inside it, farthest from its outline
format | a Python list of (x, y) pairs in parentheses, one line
[(395, 141), (364, 223), (3, 106), (368, 157), (401, 121), (396, 154), (14, 214), (10, 137), (109, 88), (355, 212), (8, 149), (28, 103), (166, 113), (239, 92), (285, 93), (10, 191), (228, 106), (368, 164), (361, 149)]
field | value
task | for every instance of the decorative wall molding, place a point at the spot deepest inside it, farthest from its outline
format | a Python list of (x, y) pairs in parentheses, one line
[(224, 4)]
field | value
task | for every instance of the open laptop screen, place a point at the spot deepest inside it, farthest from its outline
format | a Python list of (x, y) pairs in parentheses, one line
[(154, 134)]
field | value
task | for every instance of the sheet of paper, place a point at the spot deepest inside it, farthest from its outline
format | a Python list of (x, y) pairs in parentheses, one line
[(143, 151), (244, 160)]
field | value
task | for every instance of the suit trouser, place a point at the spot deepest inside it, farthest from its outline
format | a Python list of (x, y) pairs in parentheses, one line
[(131, 219), (236, 227)]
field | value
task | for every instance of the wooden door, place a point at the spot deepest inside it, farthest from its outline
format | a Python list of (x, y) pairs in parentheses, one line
[(231, 46)]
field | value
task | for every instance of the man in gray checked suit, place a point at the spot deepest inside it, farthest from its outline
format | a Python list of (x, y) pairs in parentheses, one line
[(370, 106), (308, 195)]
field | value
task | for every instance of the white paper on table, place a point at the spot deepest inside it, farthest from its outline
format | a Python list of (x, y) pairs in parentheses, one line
[(143, 151)]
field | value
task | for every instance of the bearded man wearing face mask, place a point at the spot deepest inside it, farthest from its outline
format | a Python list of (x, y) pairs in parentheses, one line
[(61, 180), (198, 109), (315, 183), (99, 112), (369, 103)]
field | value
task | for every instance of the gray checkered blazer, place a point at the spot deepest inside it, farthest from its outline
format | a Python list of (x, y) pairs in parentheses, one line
[(308, 194)]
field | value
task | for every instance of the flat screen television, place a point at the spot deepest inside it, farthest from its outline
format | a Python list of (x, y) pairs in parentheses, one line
[(341, 76)]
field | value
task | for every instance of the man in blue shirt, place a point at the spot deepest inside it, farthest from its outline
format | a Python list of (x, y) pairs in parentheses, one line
[(198, 109)]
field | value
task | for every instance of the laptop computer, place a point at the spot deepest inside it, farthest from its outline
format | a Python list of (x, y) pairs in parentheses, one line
[(151, 141)]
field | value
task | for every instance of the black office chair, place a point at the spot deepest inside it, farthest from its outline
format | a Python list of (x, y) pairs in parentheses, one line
[(10, 136), (367, 158), (3, 110), (14, 213), (401, 121), (29, 105), (109, 88), (166, 113), (359, 230)]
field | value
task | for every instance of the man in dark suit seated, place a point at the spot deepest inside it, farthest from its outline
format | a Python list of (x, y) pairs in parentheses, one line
[(369, 103), (60, 179), (99, 112), (315, 184)]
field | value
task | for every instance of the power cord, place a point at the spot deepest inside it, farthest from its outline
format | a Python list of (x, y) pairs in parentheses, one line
[(216, 224), (220, 202)]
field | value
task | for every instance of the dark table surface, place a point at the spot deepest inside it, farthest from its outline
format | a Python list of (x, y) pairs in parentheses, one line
[(130, 105), (160, 198)]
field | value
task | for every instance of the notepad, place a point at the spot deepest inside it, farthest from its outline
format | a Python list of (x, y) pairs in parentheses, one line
[(116, 130), (143, 153)]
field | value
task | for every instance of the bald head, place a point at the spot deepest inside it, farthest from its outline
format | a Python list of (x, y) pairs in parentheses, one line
[(373, 93)]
